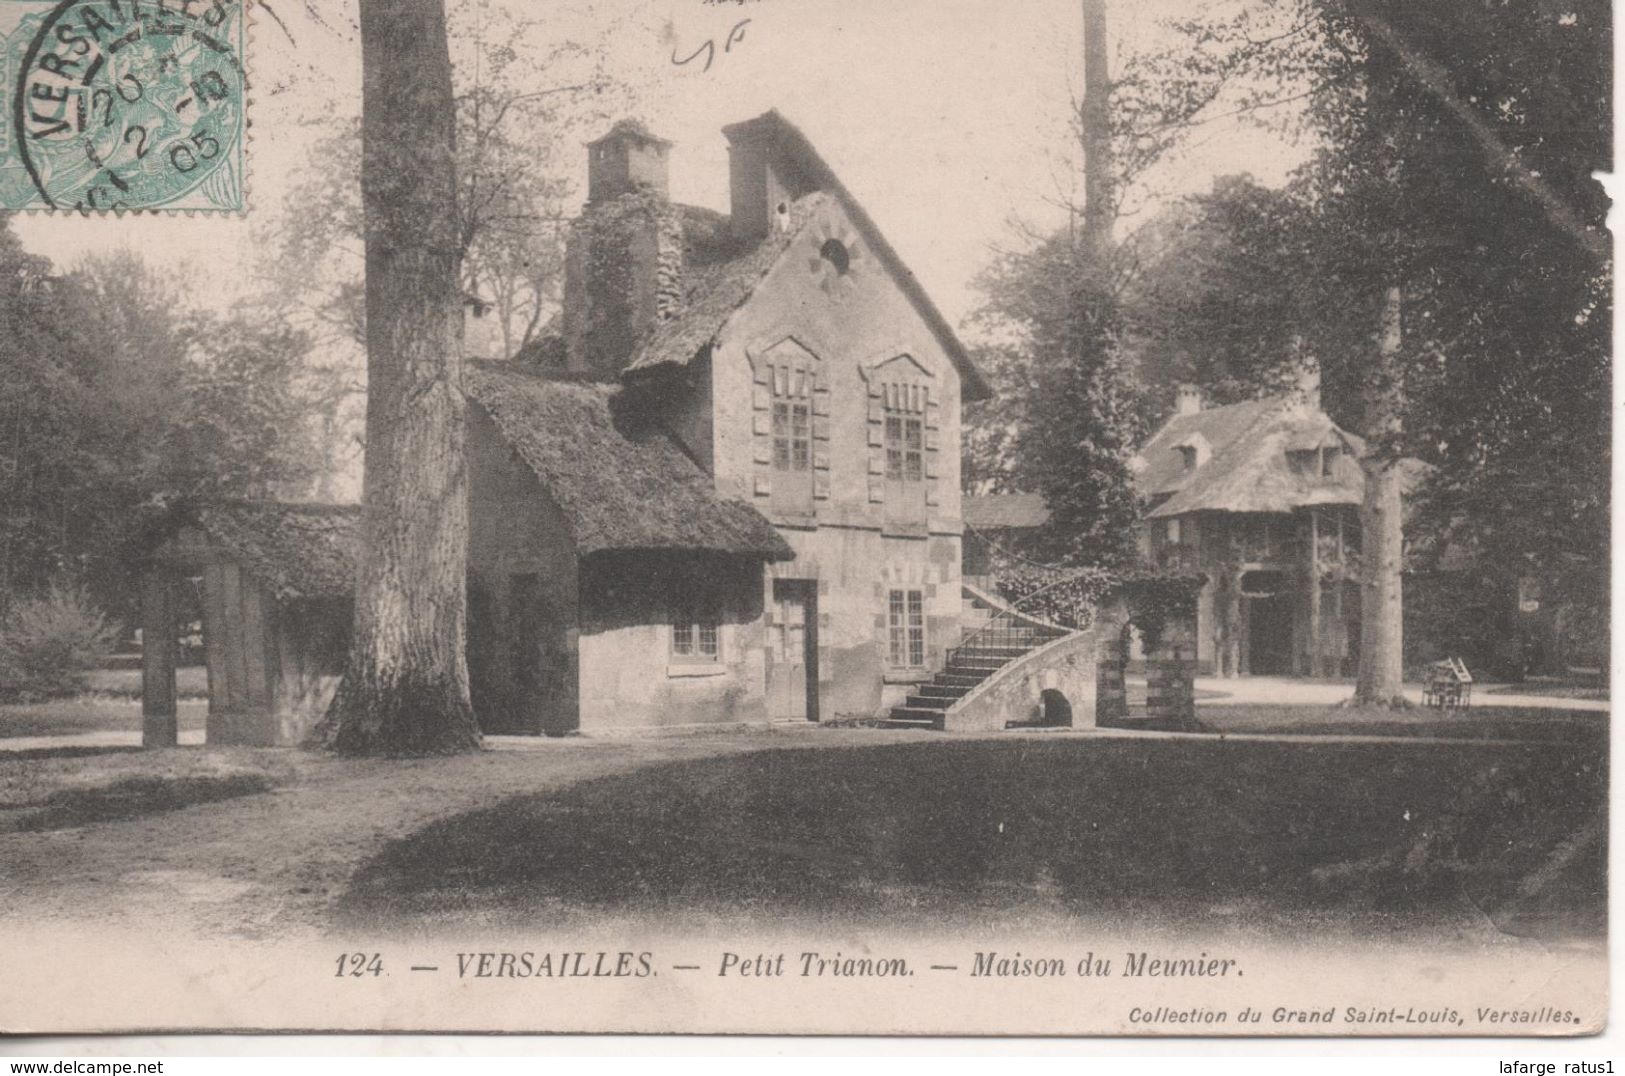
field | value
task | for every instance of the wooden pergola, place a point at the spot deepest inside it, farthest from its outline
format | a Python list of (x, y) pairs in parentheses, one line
[(275, 585)]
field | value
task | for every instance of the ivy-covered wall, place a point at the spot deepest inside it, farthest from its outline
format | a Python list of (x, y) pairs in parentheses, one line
[(623, 274)]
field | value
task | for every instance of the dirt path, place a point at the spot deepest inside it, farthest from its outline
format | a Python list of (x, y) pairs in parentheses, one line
[(268, 865)]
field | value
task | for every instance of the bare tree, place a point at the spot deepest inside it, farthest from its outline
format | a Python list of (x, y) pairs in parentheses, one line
[(405, 690)]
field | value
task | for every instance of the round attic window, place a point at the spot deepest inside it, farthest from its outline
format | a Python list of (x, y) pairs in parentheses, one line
[(834, 251)]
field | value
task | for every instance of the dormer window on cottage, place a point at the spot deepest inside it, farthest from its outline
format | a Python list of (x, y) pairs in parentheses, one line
[(1319, 462), (1194, 451), (1328, 460)]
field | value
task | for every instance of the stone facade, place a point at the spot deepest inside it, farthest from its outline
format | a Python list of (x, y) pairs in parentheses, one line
[(853, 339)]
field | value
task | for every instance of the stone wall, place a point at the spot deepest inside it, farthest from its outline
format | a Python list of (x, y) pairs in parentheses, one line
[(1170, 671), (1170, 662), (629, 675), (523, 609), (858, 332)]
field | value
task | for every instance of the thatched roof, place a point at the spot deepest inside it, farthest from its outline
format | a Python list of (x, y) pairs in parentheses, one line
[(1220, 427), (1247, 466), (292, 550), (621, 484), (718, 291), (1006, 511)]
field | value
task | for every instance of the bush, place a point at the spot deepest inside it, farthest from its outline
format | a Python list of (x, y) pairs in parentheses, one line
[(49, 644)]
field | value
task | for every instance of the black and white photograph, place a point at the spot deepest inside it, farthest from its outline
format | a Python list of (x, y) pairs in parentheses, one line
[(806, 517)]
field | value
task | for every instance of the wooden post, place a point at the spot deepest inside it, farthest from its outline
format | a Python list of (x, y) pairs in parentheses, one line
[(159, 723), (1316, 661), (1232, 624)]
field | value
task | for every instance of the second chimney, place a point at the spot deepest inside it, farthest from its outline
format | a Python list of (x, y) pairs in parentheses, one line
[(1189, 401), (763, 175), (624, 254)]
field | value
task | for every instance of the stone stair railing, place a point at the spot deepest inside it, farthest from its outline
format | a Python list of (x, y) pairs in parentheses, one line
[(1007, 636)]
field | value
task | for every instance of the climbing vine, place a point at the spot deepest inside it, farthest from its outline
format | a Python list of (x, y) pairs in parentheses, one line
[(1073, 597), (604, 238)]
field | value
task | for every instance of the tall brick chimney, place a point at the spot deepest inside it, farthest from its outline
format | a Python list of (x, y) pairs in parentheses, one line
[(764, 176), (623, 260)]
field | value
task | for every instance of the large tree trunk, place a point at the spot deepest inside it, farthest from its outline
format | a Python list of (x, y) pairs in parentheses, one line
[(405, 690), (1095, 115), (1382, 626)]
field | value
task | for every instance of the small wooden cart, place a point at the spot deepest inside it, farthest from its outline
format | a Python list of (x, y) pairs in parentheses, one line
[(1449, 685)]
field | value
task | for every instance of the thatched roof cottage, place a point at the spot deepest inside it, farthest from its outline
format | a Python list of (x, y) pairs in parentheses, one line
[(1263, 498)]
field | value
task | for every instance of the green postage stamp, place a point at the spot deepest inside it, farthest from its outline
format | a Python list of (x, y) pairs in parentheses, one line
[(123, 105)]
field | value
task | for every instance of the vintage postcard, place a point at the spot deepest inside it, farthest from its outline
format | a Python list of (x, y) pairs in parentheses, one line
[(805, 517)]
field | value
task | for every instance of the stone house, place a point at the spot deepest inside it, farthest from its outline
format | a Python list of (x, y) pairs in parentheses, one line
[(1262, 498), (727, 488)]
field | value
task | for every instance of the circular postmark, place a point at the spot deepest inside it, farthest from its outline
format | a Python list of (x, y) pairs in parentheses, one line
[(132, 104)]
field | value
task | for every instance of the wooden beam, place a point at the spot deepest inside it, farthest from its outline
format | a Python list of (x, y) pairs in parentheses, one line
[(160, 726), (215, 649)]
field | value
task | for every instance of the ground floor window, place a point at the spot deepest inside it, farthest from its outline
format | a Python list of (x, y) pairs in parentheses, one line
[(906, 614), (696, 636)]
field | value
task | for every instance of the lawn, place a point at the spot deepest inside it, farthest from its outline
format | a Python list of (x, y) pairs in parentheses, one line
[(1281, 837), (191, 682), (63, 789), (847, 826), (113, 704), (1476, 723), (88, 713)]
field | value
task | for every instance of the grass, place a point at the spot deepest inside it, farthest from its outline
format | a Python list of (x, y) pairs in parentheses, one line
[(1476, 723), (87, 713), (60, 790), (1151, 831), (191, 682), (112, 704), (1554, 690)]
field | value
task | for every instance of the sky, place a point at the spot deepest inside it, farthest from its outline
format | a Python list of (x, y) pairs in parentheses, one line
[(948, 119)]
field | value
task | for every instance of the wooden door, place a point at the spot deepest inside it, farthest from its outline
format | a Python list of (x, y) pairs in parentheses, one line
[(792, 689), (1269, 636)]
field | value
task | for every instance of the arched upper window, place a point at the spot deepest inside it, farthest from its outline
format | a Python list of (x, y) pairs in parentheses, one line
[(834, 251)]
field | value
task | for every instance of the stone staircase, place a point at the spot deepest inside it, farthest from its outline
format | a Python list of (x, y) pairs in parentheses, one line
[(993, 637)]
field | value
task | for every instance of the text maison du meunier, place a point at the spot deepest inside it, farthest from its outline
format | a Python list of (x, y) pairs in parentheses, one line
[(812, 964)]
